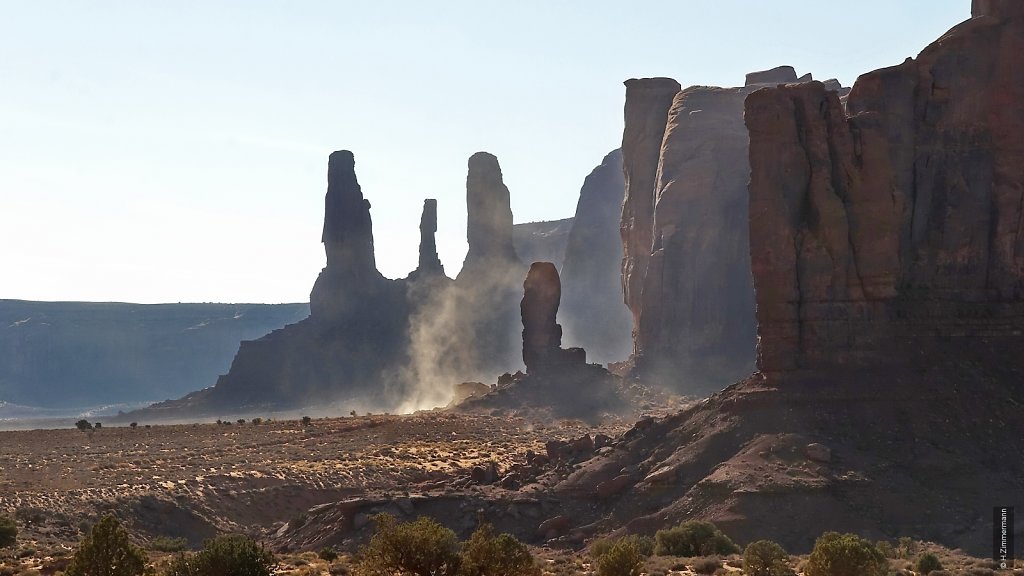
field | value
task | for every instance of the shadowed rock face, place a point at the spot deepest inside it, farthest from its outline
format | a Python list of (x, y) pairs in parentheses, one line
[(542, 335), (429, 263), (347, 237), (593, 313), (899, 221), (686, 269), (646, 111), (489, 225)]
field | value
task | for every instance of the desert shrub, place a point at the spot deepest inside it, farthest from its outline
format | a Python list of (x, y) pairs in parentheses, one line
[(765, 558), (622, 559), (886, 548), (837, 554), (83, 425), (106, 551), (168, 544), (693, 538), (327, 554), (30, 515), (487, 554), (134, 425), (707, 565), (306, 420), (645, 544), (419, 548), (928, 562), (257, 421), (8, 532), (232, 555), (600, 547), (98, 425), (241, 421), (906, 548)]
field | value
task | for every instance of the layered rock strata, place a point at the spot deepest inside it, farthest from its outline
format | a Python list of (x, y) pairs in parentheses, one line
[(897, 221)]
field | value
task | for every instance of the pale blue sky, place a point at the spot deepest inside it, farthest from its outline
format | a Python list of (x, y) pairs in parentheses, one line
[(177, 151)]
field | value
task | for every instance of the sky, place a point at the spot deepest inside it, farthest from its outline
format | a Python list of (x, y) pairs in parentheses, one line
[(177, 151)]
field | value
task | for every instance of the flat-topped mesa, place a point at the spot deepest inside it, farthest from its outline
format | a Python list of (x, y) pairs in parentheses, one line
[(489, 216), (347, 237), (997, 8), (542, 335), (645, 113), (429, 263), (777, 75), (895, 225)]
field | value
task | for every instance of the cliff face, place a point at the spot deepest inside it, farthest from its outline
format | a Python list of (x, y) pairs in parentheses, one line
[(686, 270), (898, 221), (593, 313)]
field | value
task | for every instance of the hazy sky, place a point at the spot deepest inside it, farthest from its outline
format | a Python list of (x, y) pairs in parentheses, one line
[(177, 151)]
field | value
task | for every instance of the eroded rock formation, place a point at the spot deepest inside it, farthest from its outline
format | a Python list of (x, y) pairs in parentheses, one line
[(542, 335), (347, 238), (686, 270), (592, 311), (429, 263), (646, 112), (898, 220)]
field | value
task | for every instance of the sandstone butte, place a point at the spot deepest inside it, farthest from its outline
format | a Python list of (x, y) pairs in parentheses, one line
[(887, 253), (686, 271), (894, 221)]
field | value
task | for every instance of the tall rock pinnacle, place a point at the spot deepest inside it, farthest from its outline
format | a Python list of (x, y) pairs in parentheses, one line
[(542, 335), (489, 216), (429, 263), (347, 237), (646, 112)]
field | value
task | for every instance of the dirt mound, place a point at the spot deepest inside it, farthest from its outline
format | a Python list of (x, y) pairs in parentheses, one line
[(925, 451)]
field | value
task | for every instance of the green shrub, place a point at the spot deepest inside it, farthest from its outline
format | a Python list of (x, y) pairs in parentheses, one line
[(927, 563), (707, 565), (693, 538), (306, 420), (232, 555), (765, 558), (906, 548), (8, 532), (487, 554), (83, 425), (168, 544), (327, 554), (837, 554), (420, 548), (106, 551), (645, 544), (622, 559), (885, 547)]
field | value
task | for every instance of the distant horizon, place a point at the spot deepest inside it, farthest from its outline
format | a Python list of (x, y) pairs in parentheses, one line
[(160, 155)]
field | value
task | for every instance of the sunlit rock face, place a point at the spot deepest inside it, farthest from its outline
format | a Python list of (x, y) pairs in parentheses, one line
[(896, 221), (685, 229)]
